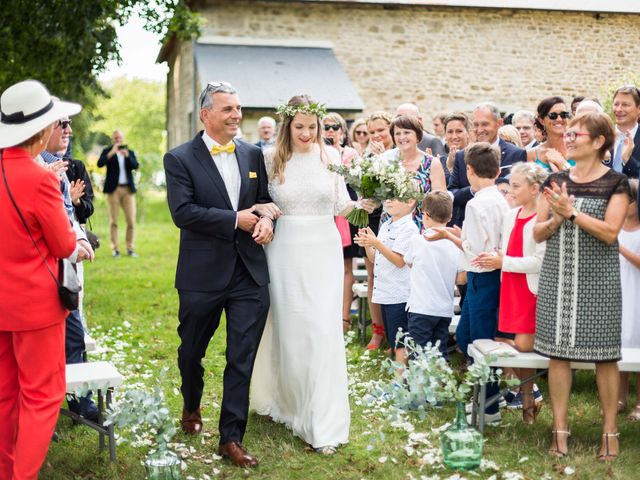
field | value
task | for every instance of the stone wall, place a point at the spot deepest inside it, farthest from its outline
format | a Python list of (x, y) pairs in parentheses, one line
[(444, 58)]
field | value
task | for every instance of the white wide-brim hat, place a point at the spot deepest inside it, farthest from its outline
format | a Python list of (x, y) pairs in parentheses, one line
[(26, 108)]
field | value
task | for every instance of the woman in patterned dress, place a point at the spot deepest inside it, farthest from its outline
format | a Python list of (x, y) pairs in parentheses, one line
[(579, 310)]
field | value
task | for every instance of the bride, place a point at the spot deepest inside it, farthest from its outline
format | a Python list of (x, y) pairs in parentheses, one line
[(300, 374)]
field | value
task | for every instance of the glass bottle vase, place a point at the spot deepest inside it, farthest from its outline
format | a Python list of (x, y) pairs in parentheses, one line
[(461, 444), (162, 465)]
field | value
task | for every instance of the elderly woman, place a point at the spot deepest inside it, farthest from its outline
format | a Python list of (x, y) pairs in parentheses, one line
[(32, 327), (334, 133), (579, 309), (552, 121), (407, 133), (359, 135)]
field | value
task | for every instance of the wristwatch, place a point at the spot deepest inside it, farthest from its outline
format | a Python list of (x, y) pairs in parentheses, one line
[(573, 216)]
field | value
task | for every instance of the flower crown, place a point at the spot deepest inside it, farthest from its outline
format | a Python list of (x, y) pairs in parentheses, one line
[(286, 110)]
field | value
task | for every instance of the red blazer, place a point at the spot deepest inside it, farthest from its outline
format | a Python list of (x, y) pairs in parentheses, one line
[(28, 295)]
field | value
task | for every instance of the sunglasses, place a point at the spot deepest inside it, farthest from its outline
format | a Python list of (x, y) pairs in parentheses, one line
[(334, 127), (214, 87), (63, 124), (361, 132), (571, 136), (555, 115)]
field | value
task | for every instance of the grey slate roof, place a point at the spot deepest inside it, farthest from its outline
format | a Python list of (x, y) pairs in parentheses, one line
[(266, 76)]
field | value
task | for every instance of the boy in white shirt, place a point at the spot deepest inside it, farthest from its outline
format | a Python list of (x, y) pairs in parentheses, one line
[(391, 274), (481, 231), (434, 271)]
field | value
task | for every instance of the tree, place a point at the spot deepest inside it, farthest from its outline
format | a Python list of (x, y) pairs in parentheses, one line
[(67, 44)]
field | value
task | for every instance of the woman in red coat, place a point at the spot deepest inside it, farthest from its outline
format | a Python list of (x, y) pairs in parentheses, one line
[(32, 328)]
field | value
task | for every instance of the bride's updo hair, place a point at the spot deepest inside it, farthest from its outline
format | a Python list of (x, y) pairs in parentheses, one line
[(283, 148)]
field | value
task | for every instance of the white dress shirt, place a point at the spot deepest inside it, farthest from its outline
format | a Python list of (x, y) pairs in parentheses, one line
[(482, 225), (122, 176), (227, 165)]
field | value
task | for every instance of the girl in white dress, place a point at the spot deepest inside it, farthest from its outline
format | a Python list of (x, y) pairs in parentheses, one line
[(629, 241), (300, 374)]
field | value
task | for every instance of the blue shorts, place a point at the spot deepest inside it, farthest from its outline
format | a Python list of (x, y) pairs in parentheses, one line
[(394, 317), (429, 329)]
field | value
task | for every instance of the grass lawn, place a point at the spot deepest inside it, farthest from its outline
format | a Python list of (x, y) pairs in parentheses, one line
[(131, 307)]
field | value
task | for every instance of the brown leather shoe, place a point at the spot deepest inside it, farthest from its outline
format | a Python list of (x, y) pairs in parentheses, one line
[(191, 422), (238, 455)]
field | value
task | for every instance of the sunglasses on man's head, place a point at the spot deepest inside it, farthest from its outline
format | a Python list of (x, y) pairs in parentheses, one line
[(334, 127), (63, 124), (555, 115)]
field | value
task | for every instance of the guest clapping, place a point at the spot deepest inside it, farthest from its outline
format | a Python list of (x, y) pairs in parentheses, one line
[(580, 216)]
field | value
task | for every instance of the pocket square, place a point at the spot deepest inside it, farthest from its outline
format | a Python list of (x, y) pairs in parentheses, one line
[(253, 175)]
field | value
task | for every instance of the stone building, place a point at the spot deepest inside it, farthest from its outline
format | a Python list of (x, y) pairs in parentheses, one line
[(358, 56)]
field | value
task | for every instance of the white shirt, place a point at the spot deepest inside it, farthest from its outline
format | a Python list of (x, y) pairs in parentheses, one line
[(122, 176), (482, 225), (434, 266), (390, 283), (227, 165)]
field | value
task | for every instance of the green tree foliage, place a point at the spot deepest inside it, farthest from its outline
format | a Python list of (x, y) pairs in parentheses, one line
[(67, 44)]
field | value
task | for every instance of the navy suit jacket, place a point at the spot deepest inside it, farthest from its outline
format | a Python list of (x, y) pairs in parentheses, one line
[(113, 169), (459, 183), (632, 168), (210, 243)]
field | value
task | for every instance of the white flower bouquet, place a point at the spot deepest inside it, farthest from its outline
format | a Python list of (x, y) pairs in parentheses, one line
[(377, 178)]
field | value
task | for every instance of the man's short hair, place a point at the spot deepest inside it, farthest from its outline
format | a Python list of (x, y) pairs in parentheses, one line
[(492, 107), (523, 115), (267, 119), (460, 117), (484, 158), (206, 97), (438, 205)]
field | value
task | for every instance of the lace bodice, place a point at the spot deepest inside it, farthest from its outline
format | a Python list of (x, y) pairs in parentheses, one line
[(309, 188)]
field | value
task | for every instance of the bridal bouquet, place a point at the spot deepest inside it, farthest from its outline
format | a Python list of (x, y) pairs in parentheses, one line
[(377, 178)]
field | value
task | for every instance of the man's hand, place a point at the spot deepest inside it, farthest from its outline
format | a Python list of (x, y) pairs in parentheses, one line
[(58, 167), (76, 191), (270, 210), (627, 147), (247, 220), (85, 252), (263, 232)]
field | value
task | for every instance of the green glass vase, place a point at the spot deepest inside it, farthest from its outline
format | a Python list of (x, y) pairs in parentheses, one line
[(461, 444), (162, 465)]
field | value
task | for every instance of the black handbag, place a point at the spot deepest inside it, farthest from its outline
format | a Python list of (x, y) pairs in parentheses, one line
[(67, 282)]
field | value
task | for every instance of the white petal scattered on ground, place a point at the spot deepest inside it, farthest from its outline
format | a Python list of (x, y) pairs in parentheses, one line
[(382, 459), (523, 459), (216, 471), (512, 476), (568, 470), (441, 428), (215, 456), (488, 465)]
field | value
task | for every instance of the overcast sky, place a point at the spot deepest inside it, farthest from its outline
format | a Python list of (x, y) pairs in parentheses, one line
[(139, 52)]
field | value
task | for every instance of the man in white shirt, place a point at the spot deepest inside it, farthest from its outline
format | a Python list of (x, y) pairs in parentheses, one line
[(120, 189)]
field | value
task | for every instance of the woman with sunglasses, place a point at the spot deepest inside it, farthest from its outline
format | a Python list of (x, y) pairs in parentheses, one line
[(552, 119), (359, 135), (334, 134), (579, 307)]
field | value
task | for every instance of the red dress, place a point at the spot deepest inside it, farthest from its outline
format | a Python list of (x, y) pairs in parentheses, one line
[(517, 303)]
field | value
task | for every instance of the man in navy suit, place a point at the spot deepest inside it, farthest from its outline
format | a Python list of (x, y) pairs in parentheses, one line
[(625, 155), (218, 198), (486, 122)]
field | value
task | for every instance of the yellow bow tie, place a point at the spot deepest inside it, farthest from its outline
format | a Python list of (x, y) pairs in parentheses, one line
[(229, 148)]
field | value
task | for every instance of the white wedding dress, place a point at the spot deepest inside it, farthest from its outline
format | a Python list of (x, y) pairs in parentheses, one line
[(300, 374)]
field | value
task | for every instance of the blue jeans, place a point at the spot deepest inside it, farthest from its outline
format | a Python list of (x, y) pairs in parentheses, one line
[(394, 317), (479, 316), (429, 329)]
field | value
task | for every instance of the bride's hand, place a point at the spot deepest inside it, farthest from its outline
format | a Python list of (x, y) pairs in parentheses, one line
[(368, 205), (263, 231), (270, 210)]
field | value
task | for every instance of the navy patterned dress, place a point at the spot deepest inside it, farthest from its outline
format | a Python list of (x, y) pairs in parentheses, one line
[(579, 309)]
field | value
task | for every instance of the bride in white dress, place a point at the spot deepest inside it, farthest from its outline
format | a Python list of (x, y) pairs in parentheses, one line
[(300, 373)]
